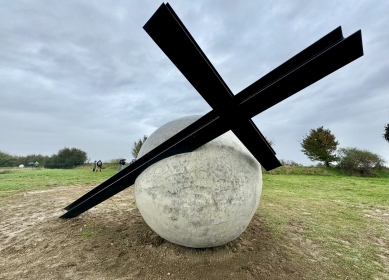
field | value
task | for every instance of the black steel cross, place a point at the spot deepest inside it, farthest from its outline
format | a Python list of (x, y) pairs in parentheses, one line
[(230, 112)]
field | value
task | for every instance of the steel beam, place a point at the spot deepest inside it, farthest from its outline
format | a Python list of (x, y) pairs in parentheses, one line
[(307, 73), (230, 112), (170, 34)]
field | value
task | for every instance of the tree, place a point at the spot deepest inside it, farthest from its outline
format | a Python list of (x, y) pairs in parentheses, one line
[(7, 160), (386, 134), (137, 145), (320, 145), (67, 158), (33, 158), (353, 161), (270, 141)]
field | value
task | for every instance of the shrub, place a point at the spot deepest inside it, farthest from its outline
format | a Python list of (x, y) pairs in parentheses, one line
[(33, 158), (67, 158), (353, 161), (7, 160), (289, 162)]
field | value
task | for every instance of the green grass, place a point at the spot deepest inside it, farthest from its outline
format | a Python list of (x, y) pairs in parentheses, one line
[(88, 231), (335, 214), (14, 180)]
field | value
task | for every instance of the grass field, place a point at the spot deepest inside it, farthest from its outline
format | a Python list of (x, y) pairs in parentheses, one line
[(344, 219), (13, 180)]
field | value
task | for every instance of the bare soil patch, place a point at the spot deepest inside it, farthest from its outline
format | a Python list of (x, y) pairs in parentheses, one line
[(112, 241)]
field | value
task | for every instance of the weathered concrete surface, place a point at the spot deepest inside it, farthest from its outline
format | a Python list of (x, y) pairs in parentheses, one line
[(201, 199)]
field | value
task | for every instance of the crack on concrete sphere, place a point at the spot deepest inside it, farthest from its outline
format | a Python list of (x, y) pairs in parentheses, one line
[(201, 199)]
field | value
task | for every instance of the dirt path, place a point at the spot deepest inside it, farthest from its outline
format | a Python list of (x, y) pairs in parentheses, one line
[(111, 241)]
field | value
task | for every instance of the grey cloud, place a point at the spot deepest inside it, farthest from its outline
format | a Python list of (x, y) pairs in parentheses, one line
[(86, 74)]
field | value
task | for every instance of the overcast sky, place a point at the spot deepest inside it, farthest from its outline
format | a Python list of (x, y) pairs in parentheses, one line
[(85, 74)]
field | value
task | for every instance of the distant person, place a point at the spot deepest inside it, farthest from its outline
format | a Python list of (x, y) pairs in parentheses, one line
[(122, 162), (94, 166), (99, 165), (36, 164), (31, 164)]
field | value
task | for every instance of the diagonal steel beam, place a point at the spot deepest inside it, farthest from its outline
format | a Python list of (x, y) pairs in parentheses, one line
[(170, 34), (210, 126), (230, 112), (307, 73), (140, 163)]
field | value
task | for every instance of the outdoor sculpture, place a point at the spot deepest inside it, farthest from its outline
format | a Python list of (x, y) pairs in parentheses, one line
[(230, 112)]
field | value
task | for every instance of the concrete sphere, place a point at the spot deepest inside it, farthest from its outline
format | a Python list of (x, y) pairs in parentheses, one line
[(201, 199)]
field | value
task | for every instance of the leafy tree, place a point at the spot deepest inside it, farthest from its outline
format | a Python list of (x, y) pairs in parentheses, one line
[(353, 161), (137, 145), (320, 145), (67, 158), (33, 158), (7, 160), (386, 134)]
